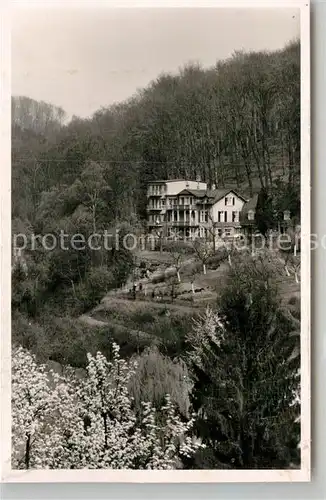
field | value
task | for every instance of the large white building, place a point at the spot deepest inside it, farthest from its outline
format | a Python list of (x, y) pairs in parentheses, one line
[(190, 209)]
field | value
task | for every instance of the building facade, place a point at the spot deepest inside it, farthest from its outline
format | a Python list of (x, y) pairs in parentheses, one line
[(189, 209)]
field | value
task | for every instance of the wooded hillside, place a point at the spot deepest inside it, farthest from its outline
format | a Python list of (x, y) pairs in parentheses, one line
[(237, 123)]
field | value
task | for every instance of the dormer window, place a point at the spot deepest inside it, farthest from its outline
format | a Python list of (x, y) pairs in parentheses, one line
[(229, 201), (287, 215), (251, 214)]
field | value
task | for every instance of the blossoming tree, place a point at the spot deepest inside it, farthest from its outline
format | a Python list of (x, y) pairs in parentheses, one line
[(62, 422)]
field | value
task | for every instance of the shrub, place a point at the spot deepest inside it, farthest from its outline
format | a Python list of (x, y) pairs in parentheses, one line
[(158, 278), (157, 375), (61, 422)]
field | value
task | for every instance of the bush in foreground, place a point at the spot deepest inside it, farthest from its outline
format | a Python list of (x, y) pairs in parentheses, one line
[(62, 422), (245, 360)]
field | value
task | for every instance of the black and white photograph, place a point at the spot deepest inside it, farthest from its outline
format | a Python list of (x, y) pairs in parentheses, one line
[(159, 242)]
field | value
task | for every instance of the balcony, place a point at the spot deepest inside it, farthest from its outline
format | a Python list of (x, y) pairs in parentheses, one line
[(151, 208), (227, 224), (184, 223), (160, 194), (191, 206)]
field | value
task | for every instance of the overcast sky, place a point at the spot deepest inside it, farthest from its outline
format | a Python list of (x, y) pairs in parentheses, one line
[(88, 58)]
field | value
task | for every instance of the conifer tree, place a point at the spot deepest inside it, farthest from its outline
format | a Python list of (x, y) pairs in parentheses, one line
[(245, 360)]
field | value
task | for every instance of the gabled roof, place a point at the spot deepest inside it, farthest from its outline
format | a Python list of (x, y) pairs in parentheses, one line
[(215, 195), (250, 205), (220, 193)]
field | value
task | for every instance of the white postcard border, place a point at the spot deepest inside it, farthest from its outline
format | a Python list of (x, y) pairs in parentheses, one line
[(175, 476)]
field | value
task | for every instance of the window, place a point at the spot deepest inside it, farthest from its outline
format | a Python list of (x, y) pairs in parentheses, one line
[(220, 217), (235, 216), (163, 203), (227, 232), (219, 232), (225, 216), (229, 200), (187, 200), (206, 216), (251, 215)]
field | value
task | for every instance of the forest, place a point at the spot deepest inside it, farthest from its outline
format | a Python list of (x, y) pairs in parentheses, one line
[(225, 377)]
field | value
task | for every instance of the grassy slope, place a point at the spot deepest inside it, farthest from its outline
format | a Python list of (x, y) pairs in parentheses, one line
[(147, 317)]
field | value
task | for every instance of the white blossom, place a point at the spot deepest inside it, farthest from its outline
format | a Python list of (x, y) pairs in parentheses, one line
[(62, 422)]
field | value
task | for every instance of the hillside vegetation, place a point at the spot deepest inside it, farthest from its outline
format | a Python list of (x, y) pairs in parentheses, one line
[(237, 123), (216, 329)]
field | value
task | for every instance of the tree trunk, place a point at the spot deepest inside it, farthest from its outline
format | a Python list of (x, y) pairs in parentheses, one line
[(214, 241), (94, 217), (27, 451), (291, 161), (248, 172), (105, 422)]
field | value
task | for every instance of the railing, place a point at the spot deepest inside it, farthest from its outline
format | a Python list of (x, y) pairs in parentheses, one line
[(190, 206), (150, 207), (225, 224), (183, 223)]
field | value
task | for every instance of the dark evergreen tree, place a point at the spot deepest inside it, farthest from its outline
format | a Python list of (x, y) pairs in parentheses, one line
[(245, 361), (265, 215)]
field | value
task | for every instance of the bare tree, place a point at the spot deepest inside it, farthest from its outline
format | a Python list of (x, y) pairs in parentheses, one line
[(203, 251), (178, 251)]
